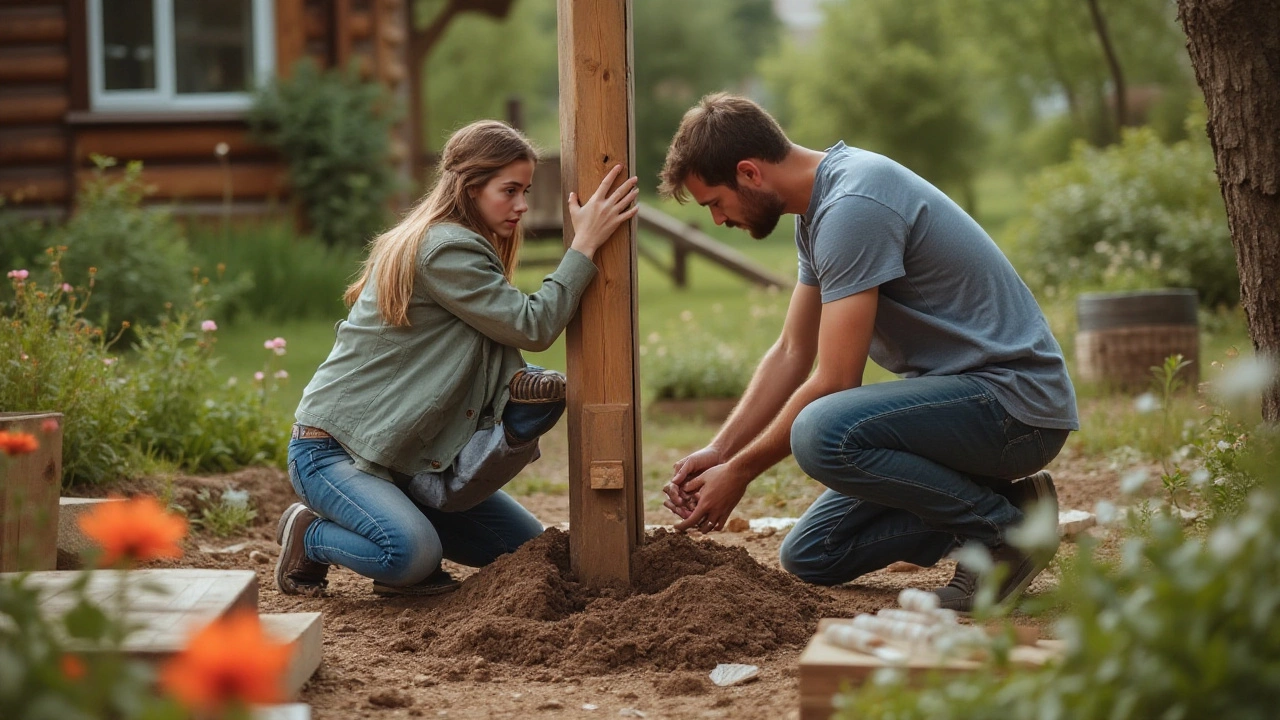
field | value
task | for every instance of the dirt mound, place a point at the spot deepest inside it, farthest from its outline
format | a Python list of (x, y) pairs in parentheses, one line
[(692, 605)]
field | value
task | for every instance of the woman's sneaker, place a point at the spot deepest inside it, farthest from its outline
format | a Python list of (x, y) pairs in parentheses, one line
[(296, 574), (437, 583)]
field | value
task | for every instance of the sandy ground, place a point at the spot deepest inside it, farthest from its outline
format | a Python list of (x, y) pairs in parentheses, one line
[(521, 639)]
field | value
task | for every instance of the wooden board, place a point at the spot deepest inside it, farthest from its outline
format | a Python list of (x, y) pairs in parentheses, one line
[(187, 599), (29, 487), (596, 133), (826, 669)]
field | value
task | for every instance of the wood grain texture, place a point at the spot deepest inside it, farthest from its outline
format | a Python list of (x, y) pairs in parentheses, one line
[(596, 133), (29, 496)]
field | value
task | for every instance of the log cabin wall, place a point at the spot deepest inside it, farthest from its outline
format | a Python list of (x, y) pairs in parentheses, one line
[(34, 100), (50, 131)]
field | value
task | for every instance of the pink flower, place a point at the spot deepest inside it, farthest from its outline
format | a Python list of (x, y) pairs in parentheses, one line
[(259, 376), (281, 374), (108, 361), (19, 274), (208, 326), (275, 344), (66, 287)]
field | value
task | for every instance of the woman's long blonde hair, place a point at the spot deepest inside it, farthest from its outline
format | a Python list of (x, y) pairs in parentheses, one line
[(473, 155)]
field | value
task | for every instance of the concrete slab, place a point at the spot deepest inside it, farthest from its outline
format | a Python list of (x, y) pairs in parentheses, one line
[(71, 541), (305, 633), (290, 711), (167, 605)]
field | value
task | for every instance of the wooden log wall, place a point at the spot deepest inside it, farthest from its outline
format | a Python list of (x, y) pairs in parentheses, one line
[(34, 98), (49, 133)]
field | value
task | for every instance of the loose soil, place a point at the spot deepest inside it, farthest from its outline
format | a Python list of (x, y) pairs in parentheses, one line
[(522, 638)]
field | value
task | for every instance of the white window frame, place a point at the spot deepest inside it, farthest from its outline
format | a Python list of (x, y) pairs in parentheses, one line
[(165, 95)]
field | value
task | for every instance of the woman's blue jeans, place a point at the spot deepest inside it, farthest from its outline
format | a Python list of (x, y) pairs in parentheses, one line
[(373, 527), (913, 468)]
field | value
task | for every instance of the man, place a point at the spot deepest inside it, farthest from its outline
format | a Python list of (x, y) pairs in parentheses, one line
[(890, 269)]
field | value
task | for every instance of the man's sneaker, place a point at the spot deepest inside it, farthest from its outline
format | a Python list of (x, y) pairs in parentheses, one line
[(537, 386), (1021, 568), (437, 583), (1030, 491), (296, 574)]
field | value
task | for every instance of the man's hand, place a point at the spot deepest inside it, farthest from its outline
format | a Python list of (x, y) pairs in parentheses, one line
[(716, 492), (679, 500)]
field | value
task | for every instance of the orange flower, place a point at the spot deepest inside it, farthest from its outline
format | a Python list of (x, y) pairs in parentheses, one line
[(17, 443), (229, 662), (72, 667), (134, 530)]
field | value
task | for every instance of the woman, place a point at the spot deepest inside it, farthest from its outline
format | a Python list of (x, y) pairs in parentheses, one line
[(424, 407)]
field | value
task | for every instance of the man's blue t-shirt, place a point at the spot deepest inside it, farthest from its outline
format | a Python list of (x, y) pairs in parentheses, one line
[(950, 302)]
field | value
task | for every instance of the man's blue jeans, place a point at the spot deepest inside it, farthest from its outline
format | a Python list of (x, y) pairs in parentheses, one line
[(375, 528), (913, 468)]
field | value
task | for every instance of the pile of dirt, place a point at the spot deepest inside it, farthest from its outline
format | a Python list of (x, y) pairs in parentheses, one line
[(691, 605)]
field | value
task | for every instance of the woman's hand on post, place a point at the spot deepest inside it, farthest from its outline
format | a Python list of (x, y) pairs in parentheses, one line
[(596, 220)]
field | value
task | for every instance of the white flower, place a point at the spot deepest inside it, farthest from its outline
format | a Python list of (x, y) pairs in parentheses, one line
[(1106, 512), (221, 149), (1133, 482), (1246, 378), (235, 498), (1199, 477), (231, 382), (281, 374), (1038, 531), (1225, 541), (974, 556), (1146, 403), (1223, 445)]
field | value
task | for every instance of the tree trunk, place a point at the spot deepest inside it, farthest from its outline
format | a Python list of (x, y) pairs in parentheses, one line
[(1235, 49), (1113, 65)]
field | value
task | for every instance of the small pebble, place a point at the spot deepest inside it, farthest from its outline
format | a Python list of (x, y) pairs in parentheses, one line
[(589, 706), (259, 557), (551, 705)]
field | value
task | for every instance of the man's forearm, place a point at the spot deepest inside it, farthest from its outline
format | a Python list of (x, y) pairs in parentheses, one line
[(774, 381), (774, 444)]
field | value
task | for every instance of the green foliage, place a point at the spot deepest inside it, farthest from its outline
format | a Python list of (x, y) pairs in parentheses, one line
[(712, 355), (271, 273), (904, 92), (683, 51), (53, 359), (188, 413), (1178, 626), (140, 254), (334, 130), (1139, 214), (22, 243), (519, 62), (226, 516)]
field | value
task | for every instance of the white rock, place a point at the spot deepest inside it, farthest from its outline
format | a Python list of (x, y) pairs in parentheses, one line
[(1074, 522), (727, 674), (631, 712)]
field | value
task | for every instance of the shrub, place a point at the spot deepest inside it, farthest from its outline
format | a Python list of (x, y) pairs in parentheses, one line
[(709, 358), (333, 129), (140, 254), (22, 244), (188, 414), (1179, 626), (55, 360), (1135, 215), (228, 515), (274, 274)]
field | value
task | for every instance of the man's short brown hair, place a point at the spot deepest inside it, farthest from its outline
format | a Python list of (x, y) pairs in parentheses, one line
[(714, 136)]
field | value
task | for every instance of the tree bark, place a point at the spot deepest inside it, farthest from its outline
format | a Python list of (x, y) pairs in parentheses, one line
[(1235, 50)]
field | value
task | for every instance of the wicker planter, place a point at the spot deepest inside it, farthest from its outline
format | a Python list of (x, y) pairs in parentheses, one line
[(1121, 336), (709, 409)]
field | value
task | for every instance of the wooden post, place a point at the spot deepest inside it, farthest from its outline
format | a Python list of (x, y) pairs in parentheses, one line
[(606, 513), (29, 489)]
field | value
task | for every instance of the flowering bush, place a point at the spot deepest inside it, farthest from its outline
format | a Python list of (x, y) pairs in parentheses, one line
[(1136, 215), (52, 359)]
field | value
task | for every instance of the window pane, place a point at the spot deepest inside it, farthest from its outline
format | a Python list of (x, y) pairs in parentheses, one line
[(128, 45), (213, 45)]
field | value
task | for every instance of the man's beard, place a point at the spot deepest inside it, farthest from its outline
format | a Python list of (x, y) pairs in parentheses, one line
[(763, 210)]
